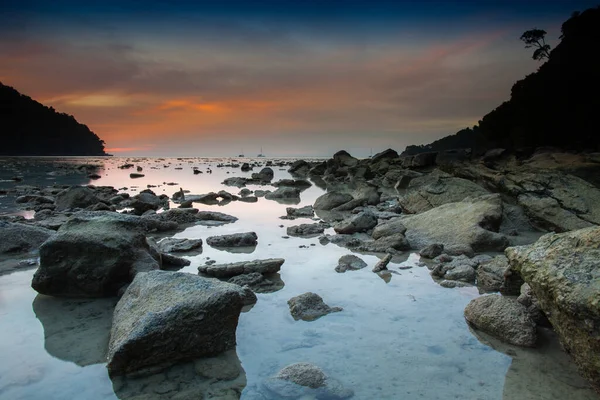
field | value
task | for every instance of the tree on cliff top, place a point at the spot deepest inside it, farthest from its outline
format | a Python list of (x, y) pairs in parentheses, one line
[(535, 38)]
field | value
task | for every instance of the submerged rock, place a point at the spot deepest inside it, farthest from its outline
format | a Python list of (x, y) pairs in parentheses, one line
[(563, 271), (350, 262), (309, 306), (503, 318), (304, 380), (258, 283), (165, 317), (93, 257), (267, 266)]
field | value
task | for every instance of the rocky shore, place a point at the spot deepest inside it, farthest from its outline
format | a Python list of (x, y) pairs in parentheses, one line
[(524, 231)]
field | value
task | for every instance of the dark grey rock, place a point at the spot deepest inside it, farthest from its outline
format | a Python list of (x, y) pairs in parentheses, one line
[(350, 262), (234, 240), (266, 266), (309, 307), (166, 317)]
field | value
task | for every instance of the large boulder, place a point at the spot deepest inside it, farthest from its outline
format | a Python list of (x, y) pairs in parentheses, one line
[(472, 222), (563, 271), (435, 189), (265, 175), (75, 197), (344, 159), (331, 200), (503, 318), (165, 317), (18, 238), (144, 202), (267, 266), (93, 257), (384, 155)]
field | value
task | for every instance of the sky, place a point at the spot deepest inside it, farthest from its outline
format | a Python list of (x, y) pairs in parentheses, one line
[(295, 78)]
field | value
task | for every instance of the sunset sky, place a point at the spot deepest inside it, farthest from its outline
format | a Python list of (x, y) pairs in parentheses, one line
[(297, 78)]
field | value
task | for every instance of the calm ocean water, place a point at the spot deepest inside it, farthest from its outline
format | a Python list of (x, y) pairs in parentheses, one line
[(405, 338)]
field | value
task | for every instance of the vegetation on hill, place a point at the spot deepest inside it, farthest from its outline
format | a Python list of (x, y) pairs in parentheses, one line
[(556, 106), (32, 129)]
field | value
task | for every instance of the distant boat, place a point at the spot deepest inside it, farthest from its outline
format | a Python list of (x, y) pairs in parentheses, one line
[(261, 153), (242, 153)]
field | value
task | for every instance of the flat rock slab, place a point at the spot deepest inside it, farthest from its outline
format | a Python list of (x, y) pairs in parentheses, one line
[(306, 229), (164, 317), (244, 239), (470, 222), (309, 306), (267, 266), (176, 245)]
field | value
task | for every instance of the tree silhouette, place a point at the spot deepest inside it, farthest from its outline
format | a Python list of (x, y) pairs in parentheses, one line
[(535, 38)]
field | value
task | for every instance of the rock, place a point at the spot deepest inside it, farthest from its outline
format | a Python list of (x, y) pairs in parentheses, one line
[(461, 272), (563, 271), (257, 282), (490, 275), (266, 266), (306, 229), (75, 197), (530, 302), (206, 198), (20, 238), (382, 264), (432, 251), (304, 380), (245, 167), (235, 181), (547, 213), (384, 155), (503, 318), (350, 262), (284, 192), (344, 159), (177, 245), (215, 216), (175, 216), (144, 202), (165, 317), (361, 222), (303, 212), (470, 222), (388, 228), (170, 261), (459, 249), (387, 244), (309, 306), (331, 200), (265, 175), (248, 199), (298, 183), (435, 189), (135, 175), (450, 284), (299, 167), (233, 240), (93, 257)]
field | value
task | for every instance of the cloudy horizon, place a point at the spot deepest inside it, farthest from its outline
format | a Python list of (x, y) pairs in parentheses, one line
[(196, 79)]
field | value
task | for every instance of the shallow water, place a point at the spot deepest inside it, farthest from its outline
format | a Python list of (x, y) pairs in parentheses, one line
[(402, 339)]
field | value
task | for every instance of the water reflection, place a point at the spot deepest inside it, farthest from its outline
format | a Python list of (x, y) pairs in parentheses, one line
[(220, 377), (75, 330), (544, 373)]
